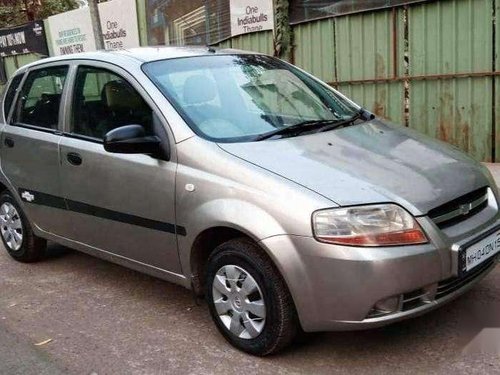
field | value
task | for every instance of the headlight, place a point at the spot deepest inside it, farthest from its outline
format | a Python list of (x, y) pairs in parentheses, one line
[(375, 225)]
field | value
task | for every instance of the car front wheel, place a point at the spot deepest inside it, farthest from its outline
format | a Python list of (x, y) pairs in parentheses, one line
[(249, 300)]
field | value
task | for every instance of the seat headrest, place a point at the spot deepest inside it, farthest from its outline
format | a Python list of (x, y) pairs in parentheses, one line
[(120, 95), (199, 89)]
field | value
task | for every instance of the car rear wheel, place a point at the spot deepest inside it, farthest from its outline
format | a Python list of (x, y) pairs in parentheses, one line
[(17, 236), (249, 300)]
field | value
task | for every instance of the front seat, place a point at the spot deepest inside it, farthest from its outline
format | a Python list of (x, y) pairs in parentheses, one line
[(199, 93), (125, 105)]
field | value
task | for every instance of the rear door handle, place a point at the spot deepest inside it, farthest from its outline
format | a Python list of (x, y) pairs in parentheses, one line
[(74, 158), (9, 142)]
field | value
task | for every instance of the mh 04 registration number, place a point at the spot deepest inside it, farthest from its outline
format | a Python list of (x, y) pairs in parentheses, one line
[(482, 250)]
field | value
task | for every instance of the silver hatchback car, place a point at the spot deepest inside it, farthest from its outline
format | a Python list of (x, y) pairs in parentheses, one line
[(239, 176)]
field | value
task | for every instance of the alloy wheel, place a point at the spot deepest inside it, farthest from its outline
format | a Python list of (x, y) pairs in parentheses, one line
[(239, 302), (11, 226)]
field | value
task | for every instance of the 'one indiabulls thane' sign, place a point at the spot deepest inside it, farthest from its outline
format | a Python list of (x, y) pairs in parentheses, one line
[(251, 15)]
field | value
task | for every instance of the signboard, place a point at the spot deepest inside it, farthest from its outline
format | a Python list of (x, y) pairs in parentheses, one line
[(119, 24), (28, 38), (71, 32), (251, 15)]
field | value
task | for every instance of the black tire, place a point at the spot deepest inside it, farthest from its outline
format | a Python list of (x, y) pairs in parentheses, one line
[(281, 322), (32, 247)]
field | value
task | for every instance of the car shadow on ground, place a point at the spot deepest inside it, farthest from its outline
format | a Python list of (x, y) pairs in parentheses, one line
[(55, 251)]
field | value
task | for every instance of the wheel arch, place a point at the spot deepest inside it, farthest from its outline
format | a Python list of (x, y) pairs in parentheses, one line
[(204, 244), (3, 187), (208, 240)]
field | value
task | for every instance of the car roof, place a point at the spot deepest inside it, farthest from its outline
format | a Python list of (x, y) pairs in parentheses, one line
[(140, 55)]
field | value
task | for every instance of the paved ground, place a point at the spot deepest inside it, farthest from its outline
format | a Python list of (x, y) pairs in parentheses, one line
[(106, 319)]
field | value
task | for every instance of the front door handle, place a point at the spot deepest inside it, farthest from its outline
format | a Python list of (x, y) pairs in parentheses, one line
[(74, 158), (9, 142)]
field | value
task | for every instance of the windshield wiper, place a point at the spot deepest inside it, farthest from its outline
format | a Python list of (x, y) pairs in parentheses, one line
[(361, 114), (296, 129), (321, 125)]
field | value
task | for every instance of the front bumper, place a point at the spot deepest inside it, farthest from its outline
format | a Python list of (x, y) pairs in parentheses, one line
[(337, 287)]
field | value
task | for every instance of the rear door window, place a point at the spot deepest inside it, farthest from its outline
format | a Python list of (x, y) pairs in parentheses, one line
[(10, 94), (40, 98)]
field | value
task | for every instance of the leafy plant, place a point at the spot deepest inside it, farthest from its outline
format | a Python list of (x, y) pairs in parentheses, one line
[(17, 12)]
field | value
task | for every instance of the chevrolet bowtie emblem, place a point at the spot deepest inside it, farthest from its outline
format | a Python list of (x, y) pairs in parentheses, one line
[(27, 196), (465, 208)]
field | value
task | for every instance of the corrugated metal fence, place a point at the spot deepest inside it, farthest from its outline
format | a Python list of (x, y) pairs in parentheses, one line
[(259, 42), (431, 66)]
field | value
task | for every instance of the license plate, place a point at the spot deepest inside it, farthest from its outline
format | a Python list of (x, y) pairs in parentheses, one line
[(481, 251)]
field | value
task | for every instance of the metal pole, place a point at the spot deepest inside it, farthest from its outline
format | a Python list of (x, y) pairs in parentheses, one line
[(96, 24)]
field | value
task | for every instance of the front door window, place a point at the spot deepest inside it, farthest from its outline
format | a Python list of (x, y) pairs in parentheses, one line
[(104, 101)]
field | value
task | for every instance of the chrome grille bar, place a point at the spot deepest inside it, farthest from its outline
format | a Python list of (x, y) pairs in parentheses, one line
[(463, 209)]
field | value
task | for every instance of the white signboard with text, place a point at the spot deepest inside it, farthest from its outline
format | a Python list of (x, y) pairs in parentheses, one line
[(119, 24), (71, 32), (251, 15)]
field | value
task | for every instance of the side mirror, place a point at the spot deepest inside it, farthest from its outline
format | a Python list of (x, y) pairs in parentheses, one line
[(131, 139)]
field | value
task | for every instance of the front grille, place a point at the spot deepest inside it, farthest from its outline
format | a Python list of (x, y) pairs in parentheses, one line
[(460, 209), (450, 285)]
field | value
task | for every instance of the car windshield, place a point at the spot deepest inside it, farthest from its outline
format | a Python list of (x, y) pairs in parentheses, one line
[(237, 98)]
